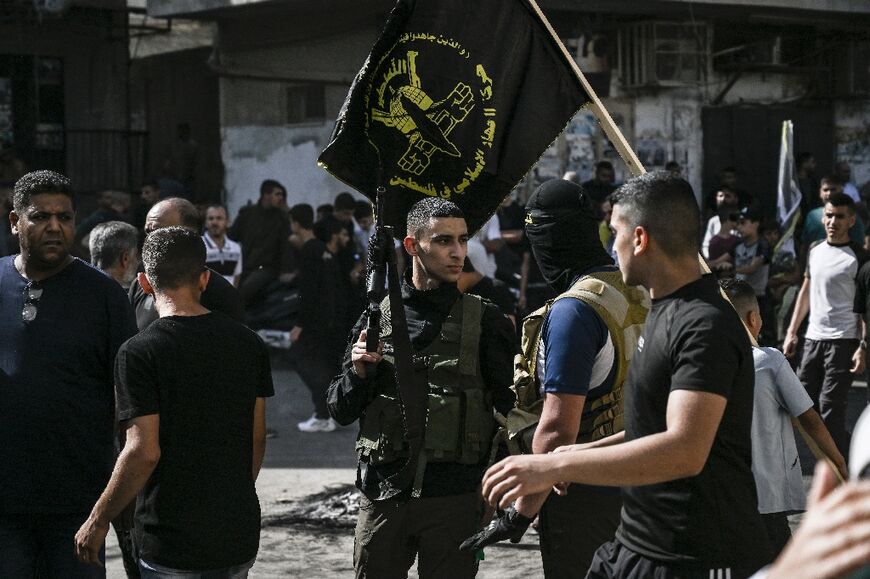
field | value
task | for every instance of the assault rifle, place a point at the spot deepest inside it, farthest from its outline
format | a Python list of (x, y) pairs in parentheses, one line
[(380, 254), (412, 392)]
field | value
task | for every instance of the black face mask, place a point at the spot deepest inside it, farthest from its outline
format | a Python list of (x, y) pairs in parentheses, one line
[(563, 232)]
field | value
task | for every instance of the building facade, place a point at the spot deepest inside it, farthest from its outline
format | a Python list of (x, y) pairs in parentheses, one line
[(704, 83), (64, 92)]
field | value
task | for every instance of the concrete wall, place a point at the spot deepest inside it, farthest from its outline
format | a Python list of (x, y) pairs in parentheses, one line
[(661, 124), (257, 141), (852, 134)]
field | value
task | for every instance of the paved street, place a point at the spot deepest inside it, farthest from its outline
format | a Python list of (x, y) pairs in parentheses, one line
[(298, 465)]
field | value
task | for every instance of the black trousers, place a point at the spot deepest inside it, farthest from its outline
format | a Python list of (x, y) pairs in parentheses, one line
[(317, 361), (572, 527), (825, 373), (616, 561), (778, 531)]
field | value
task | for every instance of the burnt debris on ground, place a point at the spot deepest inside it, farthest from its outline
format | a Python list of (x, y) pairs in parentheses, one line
[(335, 507)]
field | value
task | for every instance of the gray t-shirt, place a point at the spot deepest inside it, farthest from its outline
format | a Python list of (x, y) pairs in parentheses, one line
[(832, 270), (744, 255), (776, 467)]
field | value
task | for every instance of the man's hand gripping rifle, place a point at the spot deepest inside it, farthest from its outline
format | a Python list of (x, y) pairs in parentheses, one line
[(380, 254)]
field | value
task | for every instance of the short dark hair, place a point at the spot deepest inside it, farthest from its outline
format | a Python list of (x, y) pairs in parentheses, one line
[(666, 207), (670, 165), (345, 201), (218, 206), (604, 165), (187, 211), (173, 257), (109, 240), (303, 214), (841, 200), (362, 209), (768, 224), (424, 210), (741, 294), (152, 183), (269, 184), (326, 209), (802, 158), (832, 180), (37, 182), (327, 227)]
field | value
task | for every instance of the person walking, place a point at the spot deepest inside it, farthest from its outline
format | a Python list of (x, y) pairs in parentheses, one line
[(193, 409)]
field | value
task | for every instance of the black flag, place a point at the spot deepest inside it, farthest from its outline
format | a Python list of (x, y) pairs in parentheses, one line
[(458, 99)]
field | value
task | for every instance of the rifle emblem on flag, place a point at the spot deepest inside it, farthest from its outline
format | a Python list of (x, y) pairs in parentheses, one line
[(400, 103)]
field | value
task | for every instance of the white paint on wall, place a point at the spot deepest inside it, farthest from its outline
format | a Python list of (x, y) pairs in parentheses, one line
[(852, 135), (286, 154)]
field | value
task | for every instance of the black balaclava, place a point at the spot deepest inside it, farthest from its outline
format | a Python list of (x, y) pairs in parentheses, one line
[(563, 231)]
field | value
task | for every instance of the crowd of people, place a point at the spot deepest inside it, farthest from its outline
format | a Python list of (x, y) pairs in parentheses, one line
[(647, 435)]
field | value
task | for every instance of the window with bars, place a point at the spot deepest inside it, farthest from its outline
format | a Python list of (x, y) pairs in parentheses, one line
[(663, 53)]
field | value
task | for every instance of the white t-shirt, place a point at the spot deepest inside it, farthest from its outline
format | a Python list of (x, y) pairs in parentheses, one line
[(832, 270), (226, 260), (481, 260), (779, 396)]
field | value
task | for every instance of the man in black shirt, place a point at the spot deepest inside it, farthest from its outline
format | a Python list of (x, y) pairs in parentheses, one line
[(601, 185), (684, 460), (191, 394), (318, 337), (262, 229), (219, 294), (463, 348)]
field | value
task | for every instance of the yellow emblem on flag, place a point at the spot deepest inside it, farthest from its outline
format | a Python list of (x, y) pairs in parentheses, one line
[(443, 121)]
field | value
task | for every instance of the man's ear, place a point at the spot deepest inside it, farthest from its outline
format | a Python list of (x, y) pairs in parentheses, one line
[(411, 245), (124, 259), (641, 240), (146, 285), (203, 279), (13, 222)]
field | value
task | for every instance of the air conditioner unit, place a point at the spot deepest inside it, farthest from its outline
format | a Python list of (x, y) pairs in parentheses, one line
[(663, 53)]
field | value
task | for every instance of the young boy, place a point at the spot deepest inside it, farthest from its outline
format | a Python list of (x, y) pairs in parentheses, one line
[(779, 395), (723, 243)]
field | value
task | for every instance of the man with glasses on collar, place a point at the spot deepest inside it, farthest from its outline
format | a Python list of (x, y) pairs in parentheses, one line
[(61, 324)]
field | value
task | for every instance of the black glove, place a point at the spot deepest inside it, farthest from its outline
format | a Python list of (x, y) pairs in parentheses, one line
[(509, 524)]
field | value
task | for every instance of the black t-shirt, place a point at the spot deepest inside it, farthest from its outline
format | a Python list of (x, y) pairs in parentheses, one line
[(219, 296), (323, 301), (201, 374), (694, 340)]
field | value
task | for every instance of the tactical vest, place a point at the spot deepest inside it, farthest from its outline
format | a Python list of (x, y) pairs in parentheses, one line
[(459, 422), (623, 310)]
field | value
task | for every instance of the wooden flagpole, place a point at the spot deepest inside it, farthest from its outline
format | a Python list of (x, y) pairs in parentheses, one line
[(636, 167), (610, 129)]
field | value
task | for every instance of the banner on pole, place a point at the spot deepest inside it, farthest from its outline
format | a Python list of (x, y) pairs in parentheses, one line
[(788, 195), (456, 100)]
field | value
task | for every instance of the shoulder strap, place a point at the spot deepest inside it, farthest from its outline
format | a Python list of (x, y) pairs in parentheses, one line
[(472, 312)]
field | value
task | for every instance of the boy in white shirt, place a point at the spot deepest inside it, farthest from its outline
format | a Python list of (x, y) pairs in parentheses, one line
[(779, 396)]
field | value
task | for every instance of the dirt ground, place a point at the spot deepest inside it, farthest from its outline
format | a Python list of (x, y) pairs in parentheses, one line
[(298, 466)]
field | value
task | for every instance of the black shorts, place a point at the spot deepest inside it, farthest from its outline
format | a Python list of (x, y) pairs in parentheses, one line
[(616, 561)]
